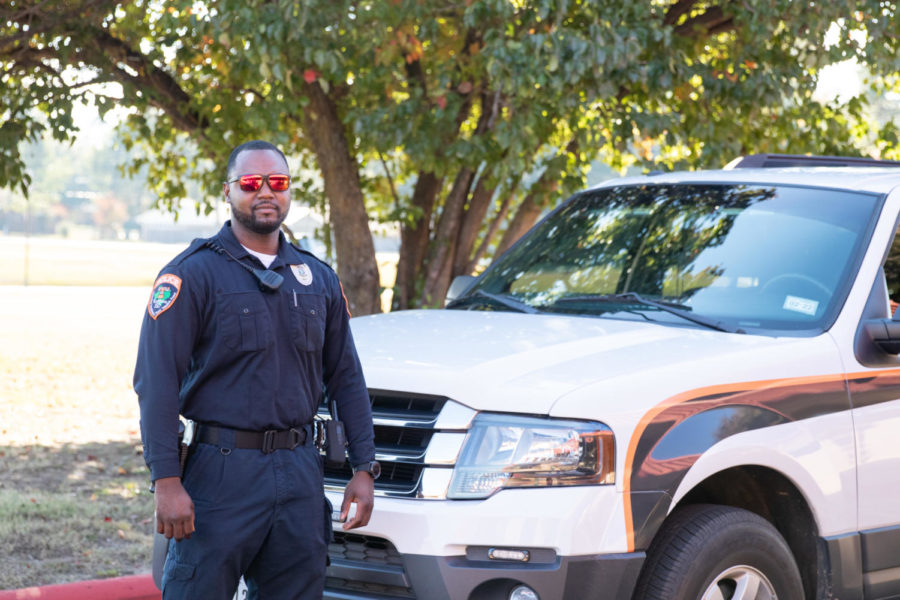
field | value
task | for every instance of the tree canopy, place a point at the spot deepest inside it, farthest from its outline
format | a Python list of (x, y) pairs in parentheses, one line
[(461, 121)]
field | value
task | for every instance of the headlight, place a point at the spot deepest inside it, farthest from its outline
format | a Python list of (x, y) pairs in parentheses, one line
[(503, 451)]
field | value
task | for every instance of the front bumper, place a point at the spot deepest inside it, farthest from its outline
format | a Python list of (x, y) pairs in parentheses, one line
[(601, 577), (438, 550)]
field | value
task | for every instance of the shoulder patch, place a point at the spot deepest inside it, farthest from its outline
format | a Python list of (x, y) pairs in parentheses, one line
[(165, 291)]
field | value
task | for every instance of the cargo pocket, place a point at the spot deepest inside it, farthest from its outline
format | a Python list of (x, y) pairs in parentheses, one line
[(176, 578), (329, 531), (244, 321), (181, 572), (308, 322)]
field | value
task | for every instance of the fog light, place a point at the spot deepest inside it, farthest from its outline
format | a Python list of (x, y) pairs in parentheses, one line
[(508, 554), (523, 592)]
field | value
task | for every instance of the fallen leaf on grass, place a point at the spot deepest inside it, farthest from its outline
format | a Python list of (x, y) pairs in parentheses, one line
[(121, 534)]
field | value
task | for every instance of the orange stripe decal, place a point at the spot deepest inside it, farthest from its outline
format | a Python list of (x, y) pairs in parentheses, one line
[(789, 399)]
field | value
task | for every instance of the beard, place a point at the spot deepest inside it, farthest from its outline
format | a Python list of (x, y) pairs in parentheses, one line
[(257, 225)]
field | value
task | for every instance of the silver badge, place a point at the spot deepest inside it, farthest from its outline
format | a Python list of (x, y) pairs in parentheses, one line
[(302, 273)]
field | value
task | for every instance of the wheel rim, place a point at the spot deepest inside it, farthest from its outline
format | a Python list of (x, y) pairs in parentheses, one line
[(740, 583)]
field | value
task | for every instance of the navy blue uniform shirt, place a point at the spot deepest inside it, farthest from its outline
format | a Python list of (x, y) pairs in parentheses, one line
[(217, 350)]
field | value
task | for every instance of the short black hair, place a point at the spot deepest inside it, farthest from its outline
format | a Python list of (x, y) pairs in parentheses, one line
[(251, 145)]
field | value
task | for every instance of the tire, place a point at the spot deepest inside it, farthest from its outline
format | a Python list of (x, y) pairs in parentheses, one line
[(709, 552)]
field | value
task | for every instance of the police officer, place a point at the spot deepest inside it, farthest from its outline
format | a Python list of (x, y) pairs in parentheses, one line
[(248, 357)]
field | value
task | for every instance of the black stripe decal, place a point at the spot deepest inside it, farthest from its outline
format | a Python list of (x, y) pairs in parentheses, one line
[(676, 437), (868, 390)]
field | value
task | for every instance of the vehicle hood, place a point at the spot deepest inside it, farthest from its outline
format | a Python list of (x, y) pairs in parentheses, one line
[(524, 363)]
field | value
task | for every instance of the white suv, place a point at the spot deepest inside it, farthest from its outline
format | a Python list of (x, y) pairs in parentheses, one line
[(678, 386)]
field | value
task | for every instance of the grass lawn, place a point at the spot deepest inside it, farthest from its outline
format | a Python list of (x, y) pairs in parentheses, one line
[(52, 261), (73, 486), (73, 499)]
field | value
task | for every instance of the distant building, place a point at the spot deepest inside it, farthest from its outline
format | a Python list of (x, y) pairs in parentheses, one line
[(158, 225)]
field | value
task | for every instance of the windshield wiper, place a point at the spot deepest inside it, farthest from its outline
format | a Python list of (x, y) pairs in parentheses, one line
[(506, 301), (637, 298)]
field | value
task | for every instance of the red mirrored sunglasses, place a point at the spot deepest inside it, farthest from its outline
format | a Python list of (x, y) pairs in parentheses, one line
[(253, 183)]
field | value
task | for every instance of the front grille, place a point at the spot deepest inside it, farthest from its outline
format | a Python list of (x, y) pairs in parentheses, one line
[(363, 548), (364, 564), (404, 424), (401, 438)]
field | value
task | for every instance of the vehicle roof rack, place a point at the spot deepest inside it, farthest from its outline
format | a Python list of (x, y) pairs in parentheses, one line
[(770, 161)]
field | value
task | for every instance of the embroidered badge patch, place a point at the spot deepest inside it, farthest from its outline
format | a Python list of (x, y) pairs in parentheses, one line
[(165, 290), (302, 273)]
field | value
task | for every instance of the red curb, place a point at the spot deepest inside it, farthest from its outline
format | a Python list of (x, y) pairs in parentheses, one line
[(133, 587)]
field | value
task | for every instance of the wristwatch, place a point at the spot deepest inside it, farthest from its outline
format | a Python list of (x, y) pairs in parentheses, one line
[(373, 468)]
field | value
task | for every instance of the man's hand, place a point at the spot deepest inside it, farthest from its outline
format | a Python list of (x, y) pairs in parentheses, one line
[(360, 489), (174, 509)]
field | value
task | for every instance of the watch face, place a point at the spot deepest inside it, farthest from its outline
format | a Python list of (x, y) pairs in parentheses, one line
[(372, 468)]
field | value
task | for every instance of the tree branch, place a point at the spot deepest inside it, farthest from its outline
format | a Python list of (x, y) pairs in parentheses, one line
[(678, 10), (390, 179), (713, 21), (164, 91)]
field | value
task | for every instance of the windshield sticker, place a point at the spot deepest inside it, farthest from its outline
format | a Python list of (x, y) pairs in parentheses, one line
[(800, 305)]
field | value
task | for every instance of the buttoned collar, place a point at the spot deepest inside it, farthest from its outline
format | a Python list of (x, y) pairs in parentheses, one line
[(231, 243)]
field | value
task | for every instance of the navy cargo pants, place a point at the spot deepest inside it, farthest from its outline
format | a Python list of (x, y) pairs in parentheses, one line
[(263, 516)]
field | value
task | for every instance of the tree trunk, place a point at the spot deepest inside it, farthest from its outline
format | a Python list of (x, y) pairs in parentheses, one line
[(354, 247), (498, 219), (440, 260), (414, 242), (473, 219), (525, 217), (539, 197)]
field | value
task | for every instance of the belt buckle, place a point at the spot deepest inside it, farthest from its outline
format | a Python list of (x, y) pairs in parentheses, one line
[(268, 444), (297, 437)]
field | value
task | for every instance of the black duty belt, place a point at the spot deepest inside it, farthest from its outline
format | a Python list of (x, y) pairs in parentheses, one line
[(267, 441)]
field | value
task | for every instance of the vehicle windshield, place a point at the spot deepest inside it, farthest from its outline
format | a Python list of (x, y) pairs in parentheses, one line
[(735, 257)]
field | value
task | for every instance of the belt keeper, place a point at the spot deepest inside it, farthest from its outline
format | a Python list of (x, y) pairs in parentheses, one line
[(268, 445)]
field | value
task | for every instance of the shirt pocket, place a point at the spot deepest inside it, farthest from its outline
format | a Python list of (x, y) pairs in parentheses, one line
[(308, 322), (244, 321)]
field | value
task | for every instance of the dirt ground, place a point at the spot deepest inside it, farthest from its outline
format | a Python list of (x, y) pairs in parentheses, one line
[(73, 486)]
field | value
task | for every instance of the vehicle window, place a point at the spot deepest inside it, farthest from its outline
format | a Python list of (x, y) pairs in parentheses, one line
[(762, 257), (892, 272)]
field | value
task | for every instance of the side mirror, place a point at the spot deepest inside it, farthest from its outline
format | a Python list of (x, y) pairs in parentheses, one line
[(459, 285), (884, 333)]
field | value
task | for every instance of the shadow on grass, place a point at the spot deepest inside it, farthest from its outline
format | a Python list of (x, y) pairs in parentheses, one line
[(73, 512)]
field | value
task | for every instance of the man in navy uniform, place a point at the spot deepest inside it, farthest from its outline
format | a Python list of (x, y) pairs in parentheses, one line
[(248, 355)]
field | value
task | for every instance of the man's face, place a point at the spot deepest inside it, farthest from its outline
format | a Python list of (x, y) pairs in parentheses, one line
[(264, 210)]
